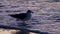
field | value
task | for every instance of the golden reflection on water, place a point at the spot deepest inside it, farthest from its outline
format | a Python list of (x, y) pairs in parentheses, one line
[(6, 31)]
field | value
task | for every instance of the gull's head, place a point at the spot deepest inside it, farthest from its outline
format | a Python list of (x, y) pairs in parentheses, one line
[(29, 11)]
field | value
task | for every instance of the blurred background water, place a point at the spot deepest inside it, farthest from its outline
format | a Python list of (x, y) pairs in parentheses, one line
[(46, 17)]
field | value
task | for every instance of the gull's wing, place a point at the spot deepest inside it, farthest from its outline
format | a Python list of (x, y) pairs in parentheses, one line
[(19, 16)]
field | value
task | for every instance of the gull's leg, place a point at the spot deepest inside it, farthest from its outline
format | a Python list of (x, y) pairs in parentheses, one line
[(17, 19), (22, 24)]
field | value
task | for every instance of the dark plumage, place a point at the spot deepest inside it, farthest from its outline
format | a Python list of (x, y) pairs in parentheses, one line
[(22, 16)]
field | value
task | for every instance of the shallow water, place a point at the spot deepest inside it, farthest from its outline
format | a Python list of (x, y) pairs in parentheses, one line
[(46, 16)]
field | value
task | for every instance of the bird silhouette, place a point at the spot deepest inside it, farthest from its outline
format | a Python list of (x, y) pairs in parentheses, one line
[(23, 16)]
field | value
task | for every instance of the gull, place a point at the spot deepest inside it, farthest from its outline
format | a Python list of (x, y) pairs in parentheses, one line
[(23, 16)]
